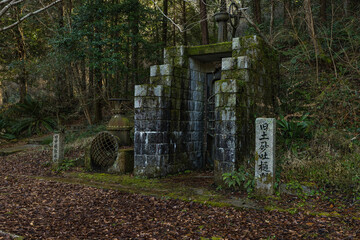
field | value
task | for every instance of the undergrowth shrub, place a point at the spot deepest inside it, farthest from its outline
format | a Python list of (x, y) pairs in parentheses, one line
[(25, 119), (34, 119), (66, 164), (293, 134), (241, 179), (324, 150), (5, 130), (89, 132), (332, 161)]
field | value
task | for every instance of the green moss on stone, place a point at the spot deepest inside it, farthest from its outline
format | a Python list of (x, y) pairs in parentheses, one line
[(180, 72), (238, 75), (231, 85), (210, 49), (87, 159), (156, 187)]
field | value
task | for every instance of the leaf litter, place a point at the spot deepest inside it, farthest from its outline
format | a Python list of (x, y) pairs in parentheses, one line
[(41, 209)]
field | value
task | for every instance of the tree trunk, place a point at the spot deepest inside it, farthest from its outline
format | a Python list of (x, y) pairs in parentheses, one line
[(83, 75), (98, 80), (23, 83), (69, 84), (204, 23), (127, 73), (69, 11), (91, 90), (184, 22), (134, 44), (346, 8), (272, 10), (287, 11), (257, 11), (22, 57), (157, 39), (84, 95), (174, 28), (164, 25), (60, 83), (98, 96), (78, 77), (310, 23), (311, 29), (323, 16)]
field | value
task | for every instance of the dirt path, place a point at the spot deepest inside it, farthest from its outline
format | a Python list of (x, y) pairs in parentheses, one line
[(38, 209)]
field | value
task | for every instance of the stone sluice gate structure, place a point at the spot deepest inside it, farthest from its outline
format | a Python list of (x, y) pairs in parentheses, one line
[(200, 107)]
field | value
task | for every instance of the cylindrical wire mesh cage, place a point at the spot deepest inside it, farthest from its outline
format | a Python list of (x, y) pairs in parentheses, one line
[(104, 150)]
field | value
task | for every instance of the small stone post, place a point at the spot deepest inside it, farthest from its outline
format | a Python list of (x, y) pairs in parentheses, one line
[(265, 155), (58, 148), (221, 18)]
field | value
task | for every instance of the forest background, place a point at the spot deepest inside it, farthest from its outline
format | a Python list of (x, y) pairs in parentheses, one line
[(61, 66)]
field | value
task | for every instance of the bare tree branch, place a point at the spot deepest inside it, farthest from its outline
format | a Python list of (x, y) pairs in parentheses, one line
[(4, 1), (247, 17), (311, 29), (7, 7), (43, 5), (176, 25), (180, 27), (28, 15), (272, 10)]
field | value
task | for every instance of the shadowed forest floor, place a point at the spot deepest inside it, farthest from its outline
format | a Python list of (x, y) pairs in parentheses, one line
[(37, 203)]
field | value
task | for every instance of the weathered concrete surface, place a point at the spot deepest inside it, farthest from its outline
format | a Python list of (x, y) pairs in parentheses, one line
[(16, 149), (265, 158)]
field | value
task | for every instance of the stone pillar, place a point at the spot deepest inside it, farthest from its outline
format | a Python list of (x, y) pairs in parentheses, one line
[(58, 148), (230, 116), (151, 130), (245, 91), (265, 155)]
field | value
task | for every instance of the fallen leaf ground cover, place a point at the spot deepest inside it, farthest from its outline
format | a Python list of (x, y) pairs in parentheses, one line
[(43, 209)]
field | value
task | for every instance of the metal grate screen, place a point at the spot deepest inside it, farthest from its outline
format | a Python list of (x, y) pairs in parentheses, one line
[(104, 150)]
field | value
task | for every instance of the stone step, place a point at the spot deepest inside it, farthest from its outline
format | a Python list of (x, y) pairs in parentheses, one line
[(12, 150)]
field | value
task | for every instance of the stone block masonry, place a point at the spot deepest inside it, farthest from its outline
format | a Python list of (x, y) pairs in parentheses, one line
[(169, 118), (244, 92), (171, 113), (152, 120)]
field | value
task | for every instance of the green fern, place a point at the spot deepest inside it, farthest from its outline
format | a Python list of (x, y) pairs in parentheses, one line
[(34, 119), (4, 130), (293, 132), (239, 179)]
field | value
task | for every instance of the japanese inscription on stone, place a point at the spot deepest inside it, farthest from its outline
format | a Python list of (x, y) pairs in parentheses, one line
[(265, 155), (58, 147)]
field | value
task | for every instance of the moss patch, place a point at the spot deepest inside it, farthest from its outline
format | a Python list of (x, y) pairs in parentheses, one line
[(165, 188), (294, 210), (210, 49)]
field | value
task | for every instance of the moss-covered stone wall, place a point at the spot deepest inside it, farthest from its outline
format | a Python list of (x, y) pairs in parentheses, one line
[(247, 91), (169, 118), (169, 112)]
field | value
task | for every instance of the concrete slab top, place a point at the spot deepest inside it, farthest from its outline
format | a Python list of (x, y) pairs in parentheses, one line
[(211, 52)]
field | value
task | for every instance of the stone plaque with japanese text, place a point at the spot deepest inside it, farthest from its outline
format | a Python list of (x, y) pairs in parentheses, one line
[(265, 155), (58, 148)]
